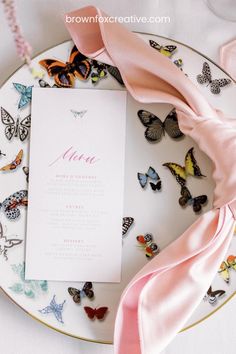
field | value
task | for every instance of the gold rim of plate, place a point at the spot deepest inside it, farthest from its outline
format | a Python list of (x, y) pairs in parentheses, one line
[(97, 340)]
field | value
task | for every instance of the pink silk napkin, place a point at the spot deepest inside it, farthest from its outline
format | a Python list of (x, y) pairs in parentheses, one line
[(162, 296)]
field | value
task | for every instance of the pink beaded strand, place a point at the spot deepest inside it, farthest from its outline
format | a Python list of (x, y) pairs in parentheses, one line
[(22, 46)]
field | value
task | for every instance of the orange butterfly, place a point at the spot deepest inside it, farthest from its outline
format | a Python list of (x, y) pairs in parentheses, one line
[(151, 248), (14, 164), (64, 74)]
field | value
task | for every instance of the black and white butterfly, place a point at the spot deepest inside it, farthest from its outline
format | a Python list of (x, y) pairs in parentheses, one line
[(206, 78), (196, 202), (213, 296), (126, 224), (6, 243), (43, 83), (156, 128), (16, 127), (86, 291)]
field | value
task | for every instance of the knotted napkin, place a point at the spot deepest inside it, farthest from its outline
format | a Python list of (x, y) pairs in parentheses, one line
[(162, 296)]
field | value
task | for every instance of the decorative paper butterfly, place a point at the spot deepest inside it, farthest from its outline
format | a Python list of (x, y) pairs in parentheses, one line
[(206, 77), (65, 73), (99, 71), (43, 83), (213, 296), (196, 202), (127, 223), (178, 63), (98, 313), (14, 164), (1, 153), (167, 50), (26, 172), (78, 114), (5, 243), (85, 291), (181, 173), (54, 308), (114, 71), (15, 128), (156, 128), (30, 288), (10, 205), (151, 173), (25, 92), (225, 266), (37, 74), (151, 248)]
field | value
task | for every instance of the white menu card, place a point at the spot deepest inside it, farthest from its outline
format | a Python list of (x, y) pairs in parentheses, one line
[(76, 180)]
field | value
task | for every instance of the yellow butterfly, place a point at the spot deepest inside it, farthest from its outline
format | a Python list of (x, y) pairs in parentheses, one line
[(181, 173), (167, 50), (14, 164), (225, 266), (37, 74)]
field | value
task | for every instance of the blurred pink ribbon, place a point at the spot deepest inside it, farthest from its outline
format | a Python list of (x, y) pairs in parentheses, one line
[(162, 296)]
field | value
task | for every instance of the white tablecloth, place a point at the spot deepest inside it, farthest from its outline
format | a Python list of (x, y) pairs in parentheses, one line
[(191, 23)]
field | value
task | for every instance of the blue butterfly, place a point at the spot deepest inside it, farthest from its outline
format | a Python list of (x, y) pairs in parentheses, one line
[(151, 173), (54, 308), (26, 94)]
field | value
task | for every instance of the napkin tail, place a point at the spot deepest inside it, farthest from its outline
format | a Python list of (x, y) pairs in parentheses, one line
[(164, 294)]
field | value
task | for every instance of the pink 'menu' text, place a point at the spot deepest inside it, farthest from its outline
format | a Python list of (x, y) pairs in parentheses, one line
[(72, 155)]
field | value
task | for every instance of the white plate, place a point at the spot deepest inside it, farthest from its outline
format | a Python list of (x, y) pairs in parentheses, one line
[(158, 213)]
